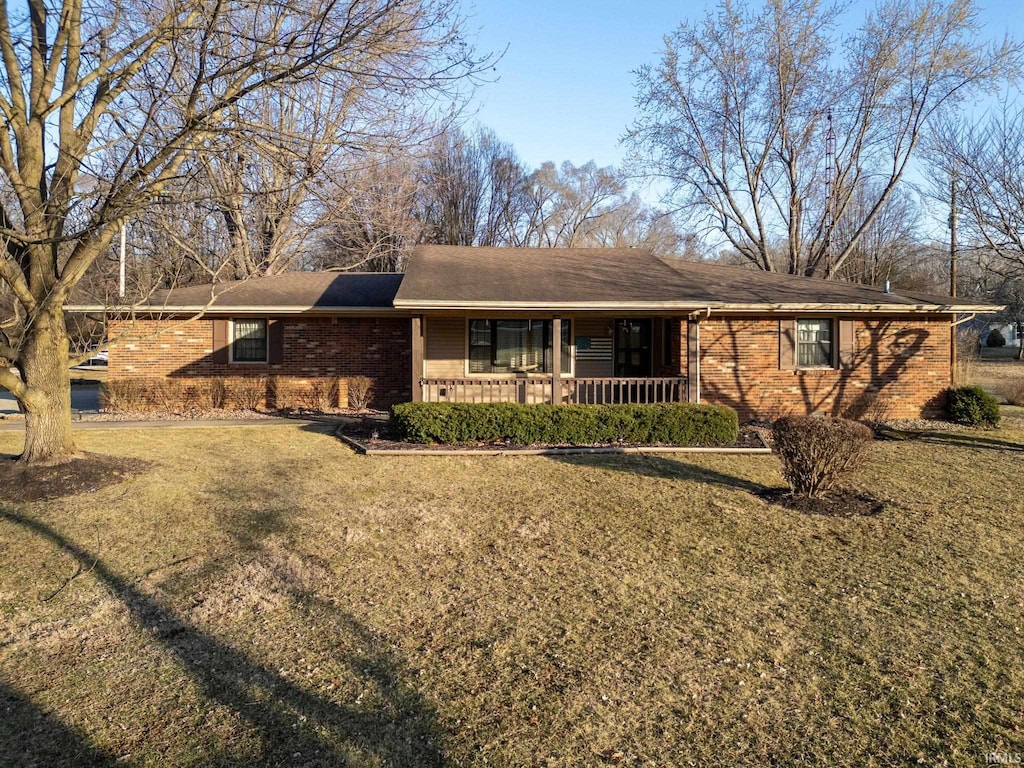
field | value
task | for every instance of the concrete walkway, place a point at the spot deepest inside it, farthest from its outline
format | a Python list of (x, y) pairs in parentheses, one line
[(10, 425)]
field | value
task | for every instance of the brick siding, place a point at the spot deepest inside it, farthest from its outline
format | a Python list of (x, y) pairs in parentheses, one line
[(901, 367), (315, 349)]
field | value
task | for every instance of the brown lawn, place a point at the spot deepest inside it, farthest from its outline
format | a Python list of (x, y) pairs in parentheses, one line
[(263, 596)]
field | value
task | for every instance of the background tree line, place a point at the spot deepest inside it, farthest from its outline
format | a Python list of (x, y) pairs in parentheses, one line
[(311, 203)]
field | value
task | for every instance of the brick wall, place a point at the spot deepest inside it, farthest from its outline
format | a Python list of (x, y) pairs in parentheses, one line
[(900, 366), (900, 369), (315, 348)]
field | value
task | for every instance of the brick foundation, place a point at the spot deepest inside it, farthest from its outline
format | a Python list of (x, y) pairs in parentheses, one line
[(320, 356)]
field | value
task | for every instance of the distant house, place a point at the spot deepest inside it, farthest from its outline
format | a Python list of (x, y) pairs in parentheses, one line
[(555, 325), (1008, 331)]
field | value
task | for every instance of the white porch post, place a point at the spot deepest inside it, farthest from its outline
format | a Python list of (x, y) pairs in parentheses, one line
[(693, 360), (417, 358)]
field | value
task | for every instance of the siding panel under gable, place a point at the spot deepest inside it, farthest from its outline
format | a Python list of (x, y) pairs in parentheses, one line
[(445, 348)]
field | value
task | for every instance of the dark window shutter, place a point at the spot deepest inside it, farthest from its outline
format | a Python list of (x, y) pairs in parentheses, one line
[(220, 341), (787, 344), (275, 333), (847, 343)]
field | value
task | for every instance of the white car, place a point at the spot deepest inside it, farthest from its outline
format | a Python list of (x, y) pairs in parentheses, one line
[(100, 358)]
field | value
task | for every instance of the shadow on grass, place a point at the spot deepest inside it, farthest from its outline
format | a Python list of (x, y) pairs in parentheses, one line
[(295, 725), (654, 465), (30, 736), (967, 440)]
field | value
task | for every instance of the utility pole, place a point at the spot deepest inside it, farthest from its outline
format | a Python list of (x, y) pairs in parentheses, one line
[(952, 274), (952, 234)]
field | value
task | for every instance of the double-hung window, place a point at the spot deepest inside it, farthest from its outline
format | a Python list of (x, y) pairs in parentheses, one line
[(249, 340), (814, 343), (515, 346)]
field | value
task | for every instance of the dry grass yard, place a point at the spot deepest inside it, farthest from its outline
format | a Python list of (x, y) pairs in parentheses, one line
[(998, 372), (263, 596)]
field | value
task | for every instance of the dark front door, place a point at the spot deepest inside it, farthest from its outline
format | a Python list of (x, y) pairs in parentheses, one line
[(633, 348)]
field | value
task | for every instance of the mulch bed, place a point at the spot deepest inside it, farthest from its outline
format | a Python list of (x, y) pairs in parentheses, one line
[(82, 474), (371, 433), (843, 503)]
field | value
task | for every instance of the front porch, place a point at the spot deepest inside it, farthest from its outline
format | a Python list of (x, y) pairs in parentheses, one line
[(597, 358)]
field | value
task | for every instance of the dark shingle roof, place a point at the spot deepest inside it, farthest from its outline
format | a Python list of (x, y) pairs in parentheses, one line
[(448, 277), (456, 277), (291, 291)]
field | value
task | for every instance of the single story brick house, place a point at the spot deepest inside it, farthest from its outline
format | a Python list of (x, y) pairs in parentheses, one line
[(480, 324)]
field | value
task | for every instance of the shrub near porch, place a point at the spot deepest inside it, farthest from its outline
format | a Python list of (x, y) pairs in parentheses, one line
[(244, 393), (664, 423)]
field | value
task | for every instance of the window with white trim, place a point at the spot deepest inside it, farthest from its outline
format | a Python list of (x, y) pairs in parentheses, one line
[(249, 340), (515, 346), (815, 343)]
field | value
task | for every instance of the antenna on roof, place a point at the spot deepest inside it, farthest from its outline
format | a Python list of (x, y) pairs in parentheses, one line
[(830, 190)]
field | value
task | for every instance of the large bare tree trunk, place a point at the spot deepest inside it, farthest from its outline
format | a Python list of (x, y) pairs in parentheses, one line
[(129, 93), (47, 403)]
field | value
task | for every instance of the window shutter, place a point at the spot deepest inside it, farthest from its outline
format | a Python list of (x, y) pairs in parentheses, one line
[(787, 344), (220, 341), (847, 343), (275, 335)]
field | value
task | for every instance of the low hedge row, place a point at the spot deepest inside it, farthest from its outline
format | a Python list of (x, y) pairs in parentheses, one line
[(671, 423)]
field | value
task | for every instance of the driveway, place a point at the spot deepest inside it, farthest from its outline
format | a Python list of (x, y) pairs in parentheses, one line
[(85, 398)]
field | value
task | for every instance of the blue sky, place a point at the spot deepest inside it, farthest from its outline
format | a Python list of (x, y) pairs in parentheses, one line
[(565, 89)]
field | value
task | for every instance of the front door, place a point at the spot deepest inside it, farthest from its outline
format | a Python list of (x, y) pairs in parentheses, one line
[(632, 348)]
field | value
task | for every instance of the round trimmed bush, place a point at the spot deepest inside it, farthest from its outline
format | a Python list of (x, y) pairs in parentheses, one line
[(972, 406), (995, 339), (818, 451)]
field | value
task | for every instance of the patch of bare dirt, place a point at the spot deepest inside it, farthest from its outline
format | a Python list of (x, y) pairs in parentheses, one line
[(82, 474), (842, 503)]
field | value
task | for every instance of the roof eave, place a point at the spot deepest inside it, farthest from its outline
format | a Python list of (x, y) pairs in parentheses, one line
[(241, 310), (772, 308)]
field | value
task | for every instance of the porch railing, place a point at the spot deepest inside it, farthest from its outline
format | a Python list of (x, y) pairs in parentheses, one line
[(615, 390), (591, 391)]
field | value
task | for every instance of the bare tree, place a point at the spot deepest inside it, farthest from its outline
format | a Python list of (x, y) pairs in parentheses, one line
[(376, 225), (887, 248), (453, 185), (633, 224), (124, 94), (470, 189), (736, 118), (573, 206), (987, 161), (567, 202)]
